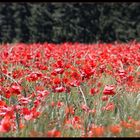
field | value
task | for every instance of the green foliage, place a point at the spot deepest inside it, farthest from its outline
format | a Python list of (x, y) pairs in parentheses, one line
[(71, 22)]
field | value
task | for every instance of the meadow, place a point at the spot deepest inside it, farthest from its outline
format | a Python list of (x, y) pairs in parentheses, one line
[(70, 90)]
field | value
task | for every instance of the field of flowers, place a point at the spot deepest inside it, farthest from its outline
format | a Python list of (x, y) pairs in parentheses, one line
[(70, 90)]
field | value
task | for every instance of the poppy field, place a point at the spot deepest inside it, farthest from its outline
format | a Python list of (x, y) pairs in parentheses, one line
[(70, 90)]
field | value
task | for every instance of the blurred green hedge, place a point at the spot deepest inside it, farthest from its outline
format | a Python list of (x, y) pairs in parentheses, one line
[(69, 22)]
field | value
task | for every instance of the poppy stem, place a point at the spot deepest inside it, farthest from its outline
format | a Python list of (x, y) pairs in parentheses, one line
[(137, 69), (17, 120), (83, 95), (10, 78), (121, 64)]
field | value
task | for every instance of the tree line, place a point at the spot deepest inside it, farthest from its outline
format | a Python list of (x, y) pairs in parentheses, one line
[(55, 22)]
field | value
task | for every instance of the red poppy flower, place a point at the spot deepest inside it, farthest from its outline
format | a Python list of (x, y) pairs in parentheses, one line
[(5, 125), (97, 131), (59, 70), (109, 107), (109, 90), (59, 89), (93, 91), (16, 89), (115, 129), (54, 133), (105, 98), (85, 108)]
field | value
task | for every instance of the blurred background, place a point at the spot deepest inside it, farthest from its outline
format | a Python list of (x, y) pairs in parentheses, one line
[(69, 22)]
